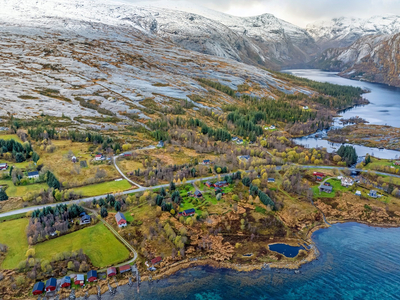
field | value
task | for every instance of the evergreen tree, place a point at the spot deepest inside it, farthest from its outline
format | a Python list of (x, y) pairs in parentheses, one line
[(117, 206), (3, 195), (172, 186), (246, 181), (103, 212), (163, 192)]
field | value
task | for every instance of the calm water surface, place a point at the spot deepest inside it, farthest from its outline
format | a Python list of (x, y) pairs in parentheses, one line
[(384, 108), (355, 262)]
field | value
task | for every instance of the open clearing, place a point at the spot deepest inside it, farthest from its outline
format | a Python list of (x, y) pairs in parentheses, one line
[(21, 190), (96, 241), (103, 188)]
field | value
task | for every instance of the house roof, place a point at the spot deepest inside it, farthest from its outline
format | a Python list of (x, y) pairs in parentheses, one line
[(245, 156), (33, 173), (206, 160), (111, 270), (119, 216), (66, 279), (124, 268), (197, 193), (3, 165), (271, 179), (156, 260), (85, 218), (51, 282), (80, 277), (99, 155), (39, 286), (190, 211), (325, 187), (92, 273)]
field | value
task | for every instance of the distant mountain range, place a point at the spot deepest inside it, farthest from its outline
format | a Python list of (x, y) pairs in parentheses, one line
[(262, 40)]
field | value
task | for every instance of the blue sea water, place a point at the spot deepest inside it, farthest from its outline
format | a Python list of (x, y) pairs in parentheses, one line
[(356, 262)]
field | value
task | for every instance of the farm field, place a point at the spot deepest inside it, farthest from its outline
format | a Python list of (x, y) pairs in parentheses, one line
[(96, 241), (21, 190), (10, 137), (103, 188)]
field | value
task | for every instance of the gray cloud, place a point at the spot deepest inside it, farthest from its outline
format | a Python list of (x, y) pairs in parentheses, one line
[(299, 12)]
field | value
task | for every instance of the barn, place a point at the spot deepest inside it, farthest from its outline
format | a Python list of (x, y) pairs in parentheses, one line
[(38, 288), (92, 276), (111, 271), (66, 282), (51, 285)]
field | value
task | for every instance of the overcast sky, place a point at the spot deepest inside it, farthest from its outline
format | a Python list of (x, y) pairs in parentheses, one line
[(301, 12)]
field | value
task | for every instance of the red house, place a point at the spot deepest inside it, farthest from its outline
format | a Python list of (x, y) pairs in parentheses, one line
[(156, 260), (92, 276), (121, 220), (111, 271), (319, 174), (51, 285), (209, 184), (221, 184), (124, 269), (66, 282), (3, 166), (79, 279), (188, 212), (38, 288)]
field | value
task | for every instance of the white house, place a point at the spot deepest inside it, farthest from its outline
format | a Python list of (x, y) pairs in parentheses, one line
[(99, 157), (32, 175)]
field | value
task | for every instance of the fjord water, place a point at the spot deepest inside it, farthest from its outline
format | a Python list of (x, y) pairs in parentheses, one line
[(356, 262), (384, 109)]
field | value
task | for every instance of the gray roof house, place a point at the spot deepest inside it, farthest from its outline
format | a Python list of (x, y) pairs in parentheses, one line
[(373, 194), (325, 188), (34, 174)]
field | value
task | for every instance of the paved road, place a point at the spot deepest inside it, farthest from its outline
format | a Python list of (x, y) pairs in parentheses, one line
[(142, 189)]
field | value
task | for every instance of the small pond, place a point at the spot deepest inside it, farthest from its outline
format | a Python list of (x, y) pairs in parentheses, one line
[(287, 250)]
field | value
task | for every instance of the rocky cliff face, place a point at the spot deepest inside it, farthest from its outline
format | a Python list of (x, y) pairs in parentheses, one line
[(373, 58)]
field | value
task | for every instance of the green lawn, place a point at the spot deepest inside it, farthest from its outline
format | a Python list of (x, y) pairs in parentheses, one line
[(21, 165), (9, 137), (12, 217), (128, 216), (19, 191), (103, 188), (336, 185), (12, 234), (97, 242)]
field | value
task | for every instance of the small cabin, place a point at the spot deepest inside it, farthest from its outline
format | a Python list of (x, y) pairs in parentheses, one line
[(160, 144), (373, 194), (32, 175), (209, 184), (79, 279), (38, 288), (198, 194), (111, 271), (271, 179), (51, 285), (188, 212), (206, 162), (156, 260), (358, 193), (124, 268), (92, 276), (120, 219), (3, 166), (66, 282)]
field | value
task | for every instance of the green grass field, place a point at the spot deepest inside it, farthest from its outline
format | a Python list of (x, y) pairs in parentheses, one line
[(336, 185), (19, 191), (97, 242), (12, 234), (21, 165), (9, 137), (103, 188)]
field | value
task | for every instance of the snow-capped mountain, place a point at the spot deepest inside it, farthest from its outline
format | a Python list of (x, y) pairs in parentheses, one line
[(373, 58), (342, 32), (262, 40)]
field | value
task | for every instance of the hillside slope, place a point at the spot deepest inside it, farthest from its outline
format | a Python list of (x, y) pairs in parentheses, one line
[(262, 40)]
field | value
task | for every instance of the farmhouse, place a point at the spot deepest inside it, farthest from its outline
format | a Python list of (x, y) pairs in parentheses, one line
[(209, 184), (124, 268), (92, 276), (38, 288), (319, 176), (271, 179), (198, 194), (188, 212), (121, 220), (206, 162), (51, 285), (99, 157), (156, 260), (325, 188), (373, 194), (127, 154), (3, 166), (34, 174), (85, 219), (346, 182), (66, 282), (220, 184), (111, 271), (79, 279)]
